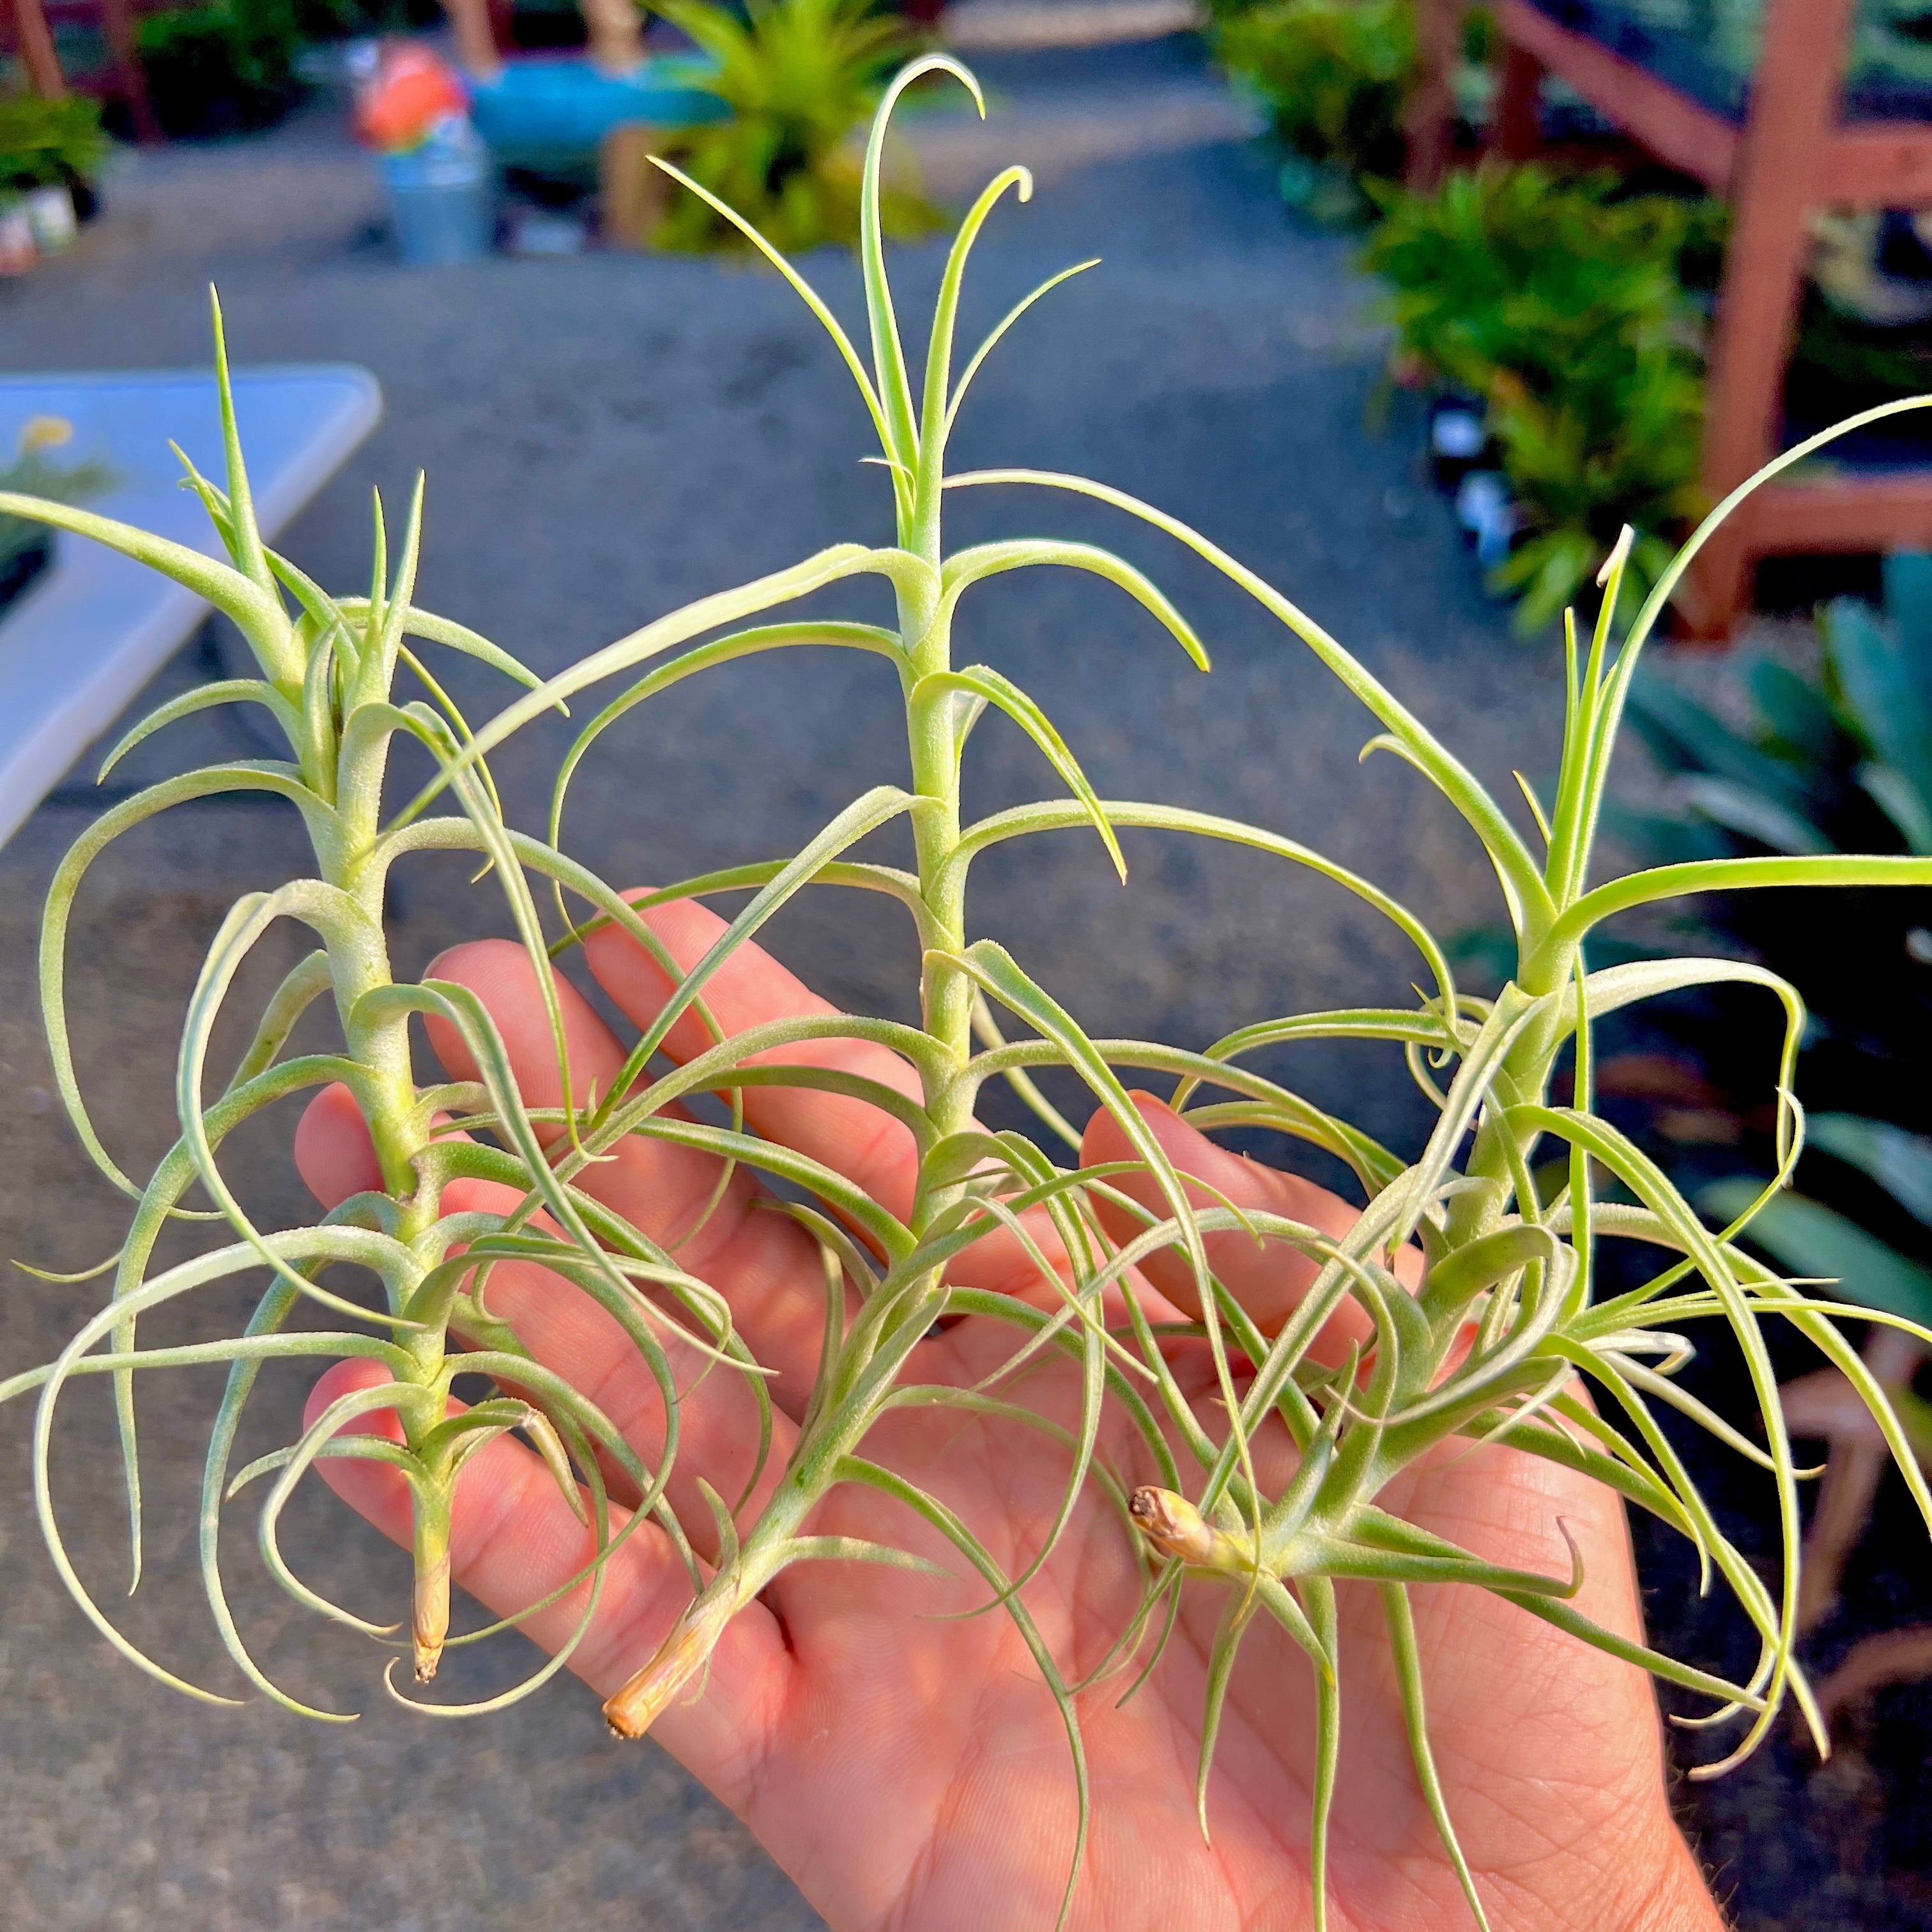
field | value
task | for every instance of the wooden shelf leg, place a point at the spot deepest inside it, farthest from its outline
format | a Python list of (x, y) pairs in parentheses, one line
[(37, 56), (471, 22), (1516, 133), (1793, 113), (1431, 107), (117, 22)]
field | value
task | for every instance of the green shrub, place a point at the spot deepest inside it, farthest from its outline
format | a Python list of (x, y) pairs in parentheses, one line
[(799, 77), (1563, 308), (1334, 76), (221, 69), (44, 143), (1591, 457), (1839, 760)]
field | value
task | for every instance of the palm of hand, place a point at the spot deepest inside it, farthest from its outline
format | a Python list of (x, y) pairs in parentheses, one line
[(916, 1772), (904, 1764)]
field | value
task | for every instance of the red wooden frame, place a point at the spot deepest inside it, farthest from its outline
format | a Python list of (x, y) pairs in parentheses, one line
[(33, 37), (1792, 153)]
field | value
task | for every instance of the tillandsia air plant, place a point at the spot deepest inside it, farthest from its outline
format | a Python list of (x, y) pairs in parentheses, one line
[(327, 671), (1470, 1276)]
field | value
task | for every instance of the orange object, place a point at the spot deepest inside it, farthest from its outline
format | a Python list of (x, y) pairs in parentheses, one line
[(411, 91)]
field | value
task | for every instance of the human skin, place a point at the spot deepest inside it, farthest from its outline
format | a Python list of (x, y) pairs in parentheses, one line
[(909, 1770)]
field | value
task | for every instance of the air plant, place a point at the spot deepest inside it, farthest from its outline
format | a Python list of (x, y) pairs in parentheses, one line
[(1810, 1237), (1489, 1347), (326, 674)]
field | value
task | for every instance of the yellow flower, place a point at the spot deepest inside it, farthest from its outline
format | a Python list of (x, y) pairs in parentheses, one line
[(45, 433)]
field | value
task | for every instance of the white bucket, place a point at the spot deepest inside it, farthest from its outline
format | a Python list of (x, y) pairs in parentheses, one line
[(50, 215), (19, 251)]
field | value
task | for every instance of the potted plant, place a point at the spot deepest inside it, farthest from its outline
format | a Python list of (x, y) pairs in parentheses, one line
[(1333, 77), (227, 67), (51, 150), (794, 80), (1559, 306)]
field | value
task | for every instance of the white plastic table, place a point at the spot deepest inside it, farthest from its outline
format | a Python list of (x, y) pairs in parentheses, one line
[(94, 627)]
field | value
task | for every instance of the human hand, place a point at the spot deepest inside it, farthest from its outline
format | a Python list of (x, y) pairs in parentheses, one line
[(911, 1771)]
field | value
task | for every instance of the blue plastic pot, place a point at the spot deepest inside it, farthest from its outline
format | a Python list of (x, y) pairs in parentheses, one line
[(554, 112), (442, 201)]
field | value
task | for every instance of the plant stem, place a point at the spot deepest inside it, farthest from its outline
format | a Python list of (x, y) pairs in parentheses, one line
[(933, 735), (429, 1612), (687, 1650)]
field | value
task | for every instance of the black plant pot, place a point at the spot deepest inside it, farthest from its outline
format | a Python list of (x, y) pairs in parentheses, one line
[(1458, 439), (18, 571)]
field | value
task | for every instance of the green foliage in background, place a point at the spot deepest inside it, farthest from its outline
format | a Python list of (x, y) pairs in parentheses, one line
[(229, 66), (1843, 756), (1840, 362), (800, 77), (1813, 1239), (344, 20), (1863, 1162), (44, 143), (1334, 76), (1837, 759), (1892, 38), (221, 69), (1586, 458), (1563, 308)]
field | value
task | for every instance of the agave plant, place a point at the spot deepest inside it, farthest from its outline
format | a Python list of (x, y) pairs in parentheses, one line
[(1502, 1325), (1814, 1240)]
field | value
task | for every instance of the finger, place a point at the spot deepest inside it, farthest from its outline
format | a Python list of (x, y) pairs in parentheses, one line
[(513, 1539), (333, 1153), (866, 1145), (765, 1264), (569, 1332), (869, 1147), (335, 1156), (1268, 1278)]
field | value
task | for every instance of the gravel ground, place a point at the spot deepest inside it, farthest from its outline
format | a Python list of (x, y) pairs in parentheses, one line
[(604, 437)]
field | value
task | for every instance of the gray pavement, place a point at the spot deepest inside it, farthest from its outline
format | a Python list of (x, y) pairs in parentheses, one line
[(604, 437)]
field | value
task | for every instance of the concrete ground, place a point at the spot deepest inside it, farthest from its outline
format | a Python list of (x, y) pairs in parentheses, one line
[(604, 437)]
